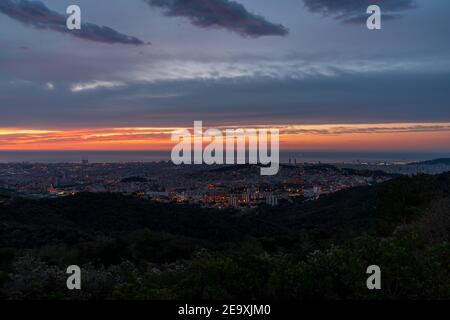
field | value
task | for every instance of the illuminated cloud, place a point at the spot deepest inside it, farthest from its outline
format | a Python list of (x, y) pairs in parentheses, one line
[(38, 16), (391, 128), (49, 86), (159, 138), (226, 14), (289, 69), (94, 85)]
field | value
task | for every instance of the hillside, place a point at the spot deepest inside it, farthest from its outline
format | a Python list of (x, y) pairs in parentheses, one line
[(441, 161), (116, 235), (86, 216)]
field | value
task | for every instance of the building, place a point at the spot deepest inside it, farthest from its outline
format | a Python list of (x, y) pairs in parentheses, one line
[(312, 193), (271, 200), (233, 201)]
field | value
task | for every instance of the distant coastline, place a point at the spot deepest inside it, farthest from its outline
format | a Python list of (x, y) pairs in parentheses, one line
[(156, 156)]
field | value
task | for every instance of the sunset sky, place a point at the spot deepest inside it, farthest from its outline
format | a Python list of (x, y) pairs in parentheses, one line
[(140, 69)]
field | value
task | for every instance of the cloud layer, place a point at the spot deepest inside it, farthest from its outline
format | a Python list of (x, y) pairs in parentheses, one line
[(37, 15), (94, 85), (225, 14), (354, 11)]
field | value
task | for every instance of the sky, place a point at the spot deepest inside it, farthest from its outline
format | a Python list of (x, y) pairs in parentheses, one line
[(138, 69)]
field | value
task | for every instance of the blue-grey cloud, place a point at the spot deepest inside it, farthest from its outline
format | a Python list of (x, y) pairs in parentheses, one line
[(349, 98), (37, 15), (226, 14), (354, 11)]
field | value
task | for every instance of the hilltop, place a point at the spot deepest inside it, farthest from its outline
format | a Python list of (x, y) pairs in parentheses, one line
[(442, 161)]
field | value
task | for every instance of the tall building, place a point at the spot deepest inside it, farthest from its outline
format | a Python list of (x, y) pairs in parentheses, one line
[(271, 200), (246, 197), (233, 201)]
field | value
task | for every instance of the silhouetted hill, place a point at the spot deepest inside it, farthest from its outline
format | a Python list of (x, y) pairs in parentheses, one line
[(444, 161), (85, 217)]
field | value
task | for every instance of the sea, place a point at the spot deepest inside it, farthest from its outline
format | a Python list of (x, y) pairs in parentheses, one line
[(157, 156)]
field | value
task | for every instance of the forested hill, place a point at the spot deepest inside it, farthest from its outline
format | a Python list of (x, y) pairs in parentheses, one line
[(129, 248), (84, 217)]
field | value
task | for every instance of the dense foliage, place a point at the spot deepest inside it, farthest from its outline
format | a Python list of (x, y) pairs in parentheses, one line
[(130, 248)]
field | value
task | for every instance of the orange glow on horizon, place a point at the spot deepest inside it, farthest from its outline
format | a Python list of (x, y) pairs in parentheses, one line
[(377, 137)]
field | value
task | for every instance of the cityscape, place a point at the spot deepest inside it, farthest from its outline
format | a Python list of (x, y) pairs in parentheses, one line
[(224, 158), (220, 186)]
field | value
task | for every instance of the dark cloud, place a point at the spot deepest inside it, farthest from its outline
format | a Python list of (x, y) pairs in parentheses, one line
[(37, 15), (225, 14), (354, 11), (349, 98)]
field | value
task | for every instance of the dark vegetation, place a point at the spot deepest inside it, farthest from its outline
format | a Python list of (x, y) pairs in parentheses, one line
[(443, 161), (134, 179), (129, 248)]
